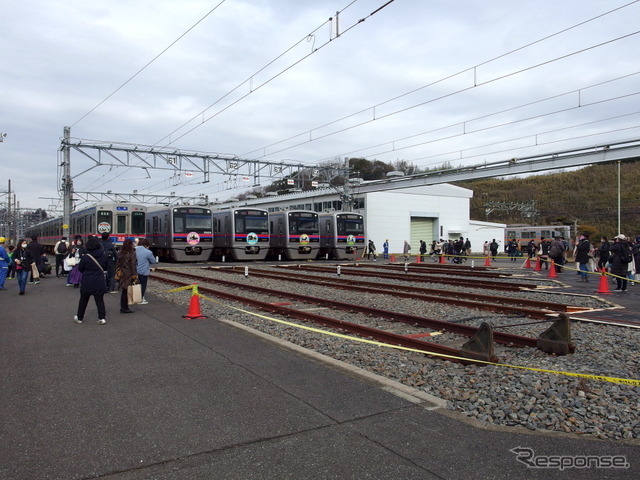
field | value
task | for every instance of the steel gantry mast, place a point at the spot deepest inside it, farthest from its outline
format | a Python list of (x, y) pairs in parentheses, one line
[(115, 154)]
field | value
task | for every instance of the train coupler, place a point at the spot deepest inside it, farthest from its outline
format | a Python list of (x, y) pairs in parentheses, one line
[(481, 347), (557, 338)]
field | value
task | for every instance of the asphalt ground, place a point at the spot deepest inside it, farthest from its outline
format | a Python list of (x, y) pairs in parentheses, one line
[(152, 395)]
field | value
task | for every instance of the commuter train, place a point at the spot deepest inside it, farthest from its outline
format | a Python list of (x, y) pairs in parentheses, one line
[(523, 234), (241, 234), (341, 235), (295, 234), (180, 233), (120, 220)]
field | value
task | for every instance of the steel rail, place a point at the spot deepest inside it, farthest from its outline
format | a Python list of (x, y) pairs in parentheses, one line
[(419, 293), (453, 354), (469, 283), (466, 330)]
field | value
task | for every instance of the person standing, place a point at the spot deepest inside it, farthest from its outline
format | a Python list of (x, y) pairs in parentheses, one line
[(603, 253), (4, 263), (92, 266), (512, 249), (61, 249), (145, 259), (620, 258), (11, 273), (37, 251), (23, 260), (531, 248), (110, 250), (76, 252), (493, 247), (126, 272), (556, 253), (385, 247), (582, 256), (406, 250), (423, 249)]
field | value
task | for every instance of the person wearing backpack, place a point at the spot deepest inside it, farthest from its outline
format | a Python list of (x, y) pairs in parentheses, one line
[(61, 249), (620, 258)]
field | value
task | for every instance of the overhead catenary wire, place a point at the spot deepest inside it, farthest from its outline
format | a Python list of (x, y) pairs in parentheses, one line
[(147, 64), (475, 85)]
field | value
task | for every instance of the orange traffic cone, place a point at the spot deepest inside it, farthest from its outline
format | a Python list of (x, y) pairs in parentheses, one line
[(527, 263), (487, 261), (538, 265), (194, 306), (442, 259), (417, 258), (552, 270), (393, 257), (604, 284)]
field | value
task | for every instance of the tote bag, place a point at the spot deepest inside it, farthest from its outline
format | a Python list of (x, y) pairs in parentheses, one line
[(134, 293)]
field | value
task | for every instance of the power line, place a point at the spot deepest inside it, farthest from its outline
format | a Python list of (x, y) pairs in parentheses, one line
[(148, 64), (270, 79), (373, 108)]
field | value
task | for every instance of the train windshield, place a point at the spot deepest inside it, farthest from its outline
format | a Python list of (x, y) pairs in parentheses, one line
[(105, 221), (192, 220), (252, 221), (137, 223), (350, 225), (300, 223)]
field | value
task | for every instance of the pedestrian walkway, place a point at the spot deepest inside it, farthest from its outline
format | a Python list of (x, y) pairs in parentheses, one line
[(154, 396)]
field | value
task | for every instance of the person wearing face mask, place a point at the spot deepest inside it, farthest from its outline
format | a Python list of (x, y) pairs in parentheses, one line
[(77, 251), (23, 260)]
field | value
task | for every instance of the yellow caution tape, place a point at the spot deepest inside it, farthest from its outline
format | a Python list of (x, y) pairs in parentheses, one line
[(603, 378), (624, 381)]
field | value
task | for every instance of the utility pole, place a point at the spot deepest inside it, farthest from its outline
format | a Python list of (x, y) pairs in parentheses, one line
[(67, 183), (9, 222)]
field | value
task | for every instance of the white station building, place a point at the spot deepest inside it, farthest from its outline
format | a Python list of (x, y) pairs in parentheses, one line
[(426, 213)]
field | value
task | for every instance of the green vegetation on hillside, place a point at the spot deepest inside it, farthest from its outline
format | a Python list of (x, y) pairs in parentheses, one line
[(586, 198)]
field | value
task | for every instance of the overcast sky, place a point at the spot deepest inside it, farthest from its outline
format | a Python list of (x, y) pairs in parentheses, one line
[(351, 98)]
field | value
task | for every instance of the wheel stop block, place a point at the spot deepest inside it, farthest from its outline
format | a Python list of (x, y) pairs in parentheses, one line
[(481, 347), (557, 338)]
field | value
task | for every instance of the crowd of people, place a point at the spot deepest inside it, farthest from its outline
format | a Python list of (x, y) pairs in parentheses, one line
[(95, 268), (620, 257)]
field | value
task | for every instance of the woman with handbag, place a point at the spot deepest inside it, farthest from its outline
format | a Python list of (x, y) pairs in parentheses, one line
[(23, 260), (94, 283), (126, 273), (75, 254)]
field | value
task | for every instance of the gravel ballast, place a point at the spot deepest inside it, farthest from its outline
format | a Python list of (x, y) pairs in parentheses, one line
[(498, 395)]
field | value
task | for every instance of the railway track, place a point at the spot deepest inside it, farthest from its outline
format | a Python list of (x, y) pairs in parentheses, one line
[(425, 278), (495, 303), (479, 347)]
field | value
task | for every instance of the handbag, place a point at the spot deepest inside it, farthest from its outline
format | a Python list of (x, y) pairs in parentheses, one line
[(68, 263), (134, 293), (118, 275)]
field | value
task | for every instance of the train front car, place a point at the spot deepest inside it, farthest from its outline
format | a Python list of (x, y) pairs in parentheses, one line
[(342, 235), (295, 234), (241, 234), (120, 221), (181, 233)]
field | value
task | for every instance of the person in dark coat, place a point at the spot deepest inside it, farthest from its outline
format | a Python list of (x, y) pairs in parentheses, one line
[(618, 267), (126, 272), (582, 256), (36, 250), (92, 266), (110, 251), (22, 259), (603, 253)]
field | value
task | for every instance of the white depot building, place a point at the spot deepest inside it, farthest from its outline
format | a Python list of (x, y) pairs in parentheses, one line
[(426, 213)]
